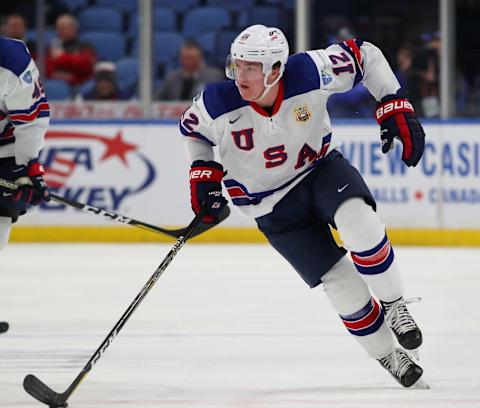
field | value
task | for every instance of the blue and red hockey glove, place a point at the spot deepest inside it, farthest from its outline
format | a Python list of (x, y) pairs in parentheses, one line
[(397, 120), (206, 188), (33, 189)]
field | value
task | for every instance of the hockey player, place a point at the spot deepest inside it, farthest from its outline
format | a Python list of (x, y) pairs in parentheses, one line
[(280, 165), (24, 118)]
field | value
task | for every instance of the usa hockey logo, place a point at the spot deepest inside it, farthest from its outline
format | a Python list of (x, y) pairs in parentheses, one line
[(27, 78), (326, 77), (95, 169)]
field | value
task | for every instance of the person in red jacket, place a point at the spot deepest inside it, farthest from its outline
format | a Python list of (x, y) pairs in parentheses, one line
[(69, 58)]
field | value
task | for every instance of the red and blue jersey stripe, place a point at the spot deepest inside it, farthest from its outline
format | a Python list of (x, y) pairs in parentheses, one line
[(40, 109), (366, 321), (376, 260), (352, 46)]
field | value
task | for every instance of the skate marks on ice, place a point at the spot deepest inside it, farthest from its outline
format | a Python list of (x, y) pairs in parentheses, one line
[(41, 361), (243, 332)]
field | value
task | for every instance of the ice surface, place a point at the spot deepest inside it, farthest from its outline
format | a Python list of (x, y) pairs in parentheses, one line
[(225, 326)]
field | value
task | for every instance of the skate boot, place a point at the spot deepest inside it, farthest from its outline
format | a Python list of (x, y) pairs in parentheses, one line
[(399, 364), (402, 324)]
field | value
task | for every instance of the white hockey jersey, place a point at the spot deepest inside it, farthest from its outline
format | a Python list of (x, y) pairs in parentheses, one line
[(264, 155), (24, 110)]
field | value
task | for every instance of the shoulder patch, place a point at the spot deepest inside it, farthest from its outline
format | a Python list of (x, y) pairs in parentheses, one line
[(27, 77), (326, 78)]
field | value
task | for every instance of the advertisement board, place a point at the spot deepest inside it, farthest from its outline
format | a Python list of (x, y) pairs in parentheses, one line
[(137, 170), (140, 169), (443, 191)]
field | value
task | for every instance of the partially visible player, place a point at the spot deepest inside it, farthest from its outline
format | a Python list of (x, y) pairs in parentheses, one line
[(280, 166), (24, 118)]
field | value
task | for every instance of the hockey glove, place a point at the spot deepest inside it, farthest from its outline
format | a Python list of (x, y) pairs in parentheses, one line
[(397, 120), (206, 188), (33, 188)]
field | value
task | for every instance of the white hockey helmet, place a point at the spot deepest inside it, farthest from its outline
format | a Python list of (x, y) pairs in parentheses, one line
[(257, 43)]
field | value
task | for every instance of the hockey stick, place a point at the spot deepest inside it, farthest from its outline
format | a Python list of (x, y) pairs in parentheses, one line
[(38, 390), (112, 216), (4, 327)]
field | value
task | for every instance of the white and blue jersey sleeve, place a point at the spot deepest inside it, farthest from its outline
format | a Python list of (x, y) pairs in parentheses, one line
[(203, 124), (342, 66), (24, 110), (197, 123)]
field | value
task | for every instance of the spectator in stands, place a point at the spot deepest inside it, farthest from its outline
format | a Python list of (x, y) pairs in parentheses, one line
[(16, 27), (192, 76), (105, 86), (427, 69), (408, 77), (404, 65), (69, 58)]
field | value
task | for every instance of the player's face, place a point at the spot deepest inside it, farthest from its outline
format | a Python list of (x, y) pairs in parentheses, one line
[(249, 77)]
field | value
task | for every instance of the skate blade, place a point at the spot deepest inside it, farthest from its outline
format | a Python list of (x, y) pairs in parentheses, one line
[(420, 385)]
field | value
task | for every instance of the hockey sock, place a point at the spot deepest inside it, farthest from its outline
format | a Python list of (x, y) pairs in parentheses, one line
[(5, 226), (364, 235), (360, 313)]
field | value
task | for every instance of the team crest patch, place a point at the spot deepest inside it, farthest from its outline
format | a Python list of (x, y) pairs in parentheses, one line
[(27, 77), (302, 114)]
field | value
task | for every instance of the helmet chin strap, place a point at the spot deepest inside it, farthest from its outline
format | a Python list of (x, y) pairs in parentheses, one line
[(267, 86)]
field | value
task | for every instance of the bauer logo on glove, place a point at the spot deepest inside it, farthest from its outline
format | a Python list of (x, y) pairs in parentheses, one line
[(397, 120), (400, 105), (198, 174)]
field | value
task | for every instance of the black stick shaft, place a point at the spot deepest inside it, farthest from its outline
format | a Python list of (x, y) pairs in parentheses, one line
[(138, 299), (112, 216)]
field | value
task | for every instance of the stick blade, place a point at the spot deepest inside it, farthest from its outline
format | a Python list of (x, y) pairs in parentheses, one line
[(41, 392)]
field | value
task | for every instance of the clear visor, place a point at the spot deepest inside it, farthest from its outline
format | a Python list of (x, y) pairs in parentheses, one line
[(247, 70)]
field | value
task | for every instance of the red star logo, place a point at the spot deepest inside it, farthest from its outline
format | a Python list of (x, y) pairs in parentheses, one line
[(117, 147)]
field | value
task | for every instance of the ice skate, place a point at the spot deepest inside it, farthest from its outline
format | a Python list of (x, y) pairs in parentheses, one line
[(401, 367), (402, 324)]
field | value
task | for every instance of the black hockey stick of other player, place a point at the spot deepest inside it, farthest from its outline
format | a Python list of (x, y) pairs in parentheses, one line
[(4, 327), (38, 390), (112, 216)]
